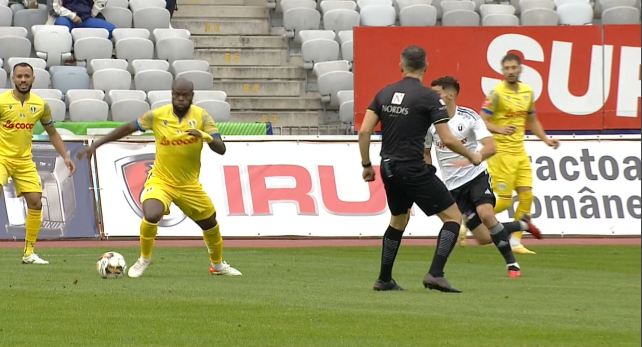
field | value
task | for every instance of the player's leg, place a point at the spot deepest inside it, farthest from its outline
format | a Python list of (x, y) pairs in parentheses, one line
[(399, 204), (502, 171), (27, 183), (197, 205), (433, 197), (499, 236), (156, 201), (523, 186)]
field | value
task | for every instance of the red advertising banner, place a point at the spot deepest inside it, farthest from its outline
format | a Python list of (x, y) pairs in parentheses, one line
[(584, 77)]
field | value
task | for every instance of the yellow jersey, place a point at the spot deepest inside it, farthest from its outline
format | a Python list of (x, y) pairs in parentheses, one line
[(506, 107), (17, 120), (178, 154)]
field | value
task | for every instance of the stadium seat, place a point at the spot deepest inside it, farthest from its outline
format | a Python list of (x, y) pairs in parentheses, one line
[(575, 13), (14, 46), (151, 18), (117, 3), (91, 43), (297, 19), (150, 64), (179, 66), (345, 36), (460, 18), (347, 51), (82, 94), (52, 43), (529, 4), (122, 33), (621, 15), (13, 31), (327, 5), (219, 110), (488, 9), (174, 48), (100, 64), (346, 106), (118, 16), (285, 5), (201, 95), (451, 5), (158, 95), (418, 15), (3, 78), (127, 110), (305, 35), (559, 3), (317, 50), (116, 95), (137, 5), (365, 3), (88, 110), (57, 107), (500, 20), (329, 66), (341, 19), (602, 5), (134, 48), (65, 78), (378, 16), (27, 18), (6, 16), (164, 33), (160, 103), (147, 80), (203, 80), (34, 62), (331, 82), (108, 79), (48, 93), (405, 3), (539, 16), (4, 3)]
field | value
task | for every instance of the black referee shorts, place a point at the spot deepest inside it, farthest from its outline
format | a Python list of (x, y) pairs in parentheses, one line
[(408, 183), (477, 192)]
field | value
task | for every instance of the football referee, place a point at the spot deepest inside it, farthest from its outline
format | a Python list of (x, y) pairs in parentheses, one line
[(406, 110)]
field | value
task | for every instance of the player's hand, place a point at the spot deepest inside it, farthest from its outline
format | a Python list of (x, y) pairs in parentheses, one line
[(87, 151), (476, 159), (70, 165), (195, 133), (552, 143), (508, 130), (368, 174)]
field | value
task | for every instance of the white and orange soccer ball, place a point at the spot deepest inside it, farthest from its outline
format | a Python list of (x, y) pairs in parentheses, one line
[(111, 265)]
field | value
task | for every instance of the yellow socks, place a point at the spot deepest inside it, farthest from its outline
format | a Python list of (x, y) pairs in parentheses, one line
[(32, 226), (214, 243), (147, 235), (523, 208)]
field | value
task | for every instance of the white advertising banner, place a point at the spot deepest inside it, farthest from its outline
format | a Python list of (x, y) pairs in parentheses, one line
[(299, 188)]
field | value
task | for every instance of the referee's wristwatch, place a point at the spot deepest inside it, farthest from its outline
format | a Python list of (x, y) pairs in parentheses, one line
[(366, 165)]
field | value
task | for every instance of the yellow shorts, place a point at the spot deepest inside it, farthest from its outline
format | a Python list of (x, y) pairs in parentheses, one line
[(24, 174), (191, 199), (508, 171)]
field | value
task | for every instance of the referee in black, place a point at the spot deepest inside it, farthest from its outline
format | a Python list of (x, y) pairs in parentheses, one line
[(406, 110)]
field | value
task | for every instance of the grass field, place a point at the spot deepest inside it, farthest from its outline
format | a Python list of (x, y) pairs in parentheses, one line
[(568, 296)]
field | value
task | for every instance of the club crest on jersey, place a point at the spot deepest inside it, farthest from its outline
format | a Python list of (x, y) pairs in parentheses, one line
[(33, 109), (460, 127), (397, 98), (192, 123), (164, 122)]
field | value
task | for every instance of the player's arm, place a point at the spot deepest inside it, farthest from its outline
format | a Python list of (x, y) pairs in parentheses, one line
[(536, 128), (488, 111), (367, 129), (450, 141), (211, 134), (116, 134), (427, 147), (56, 140), (485, 138)]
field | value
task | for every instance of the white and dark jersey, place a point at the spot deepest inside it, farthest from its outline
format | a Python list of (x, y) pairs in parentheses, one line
[(469, 128), (406, 110)]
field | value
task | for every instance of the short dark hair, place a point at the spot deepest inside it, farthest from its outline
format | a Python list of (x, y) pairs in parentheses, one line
[(512, 57), (414, 57), (23, 64), (446, 82)]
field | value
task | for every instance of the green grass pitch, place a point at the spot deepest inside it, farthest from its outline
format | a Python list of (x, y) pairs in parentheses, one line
[(568, 296)]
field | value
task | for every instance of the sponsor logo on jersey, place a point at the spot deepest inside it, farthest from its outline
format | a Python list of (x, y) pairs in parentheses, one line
[(178, 142), (397, 98), (18, 125)]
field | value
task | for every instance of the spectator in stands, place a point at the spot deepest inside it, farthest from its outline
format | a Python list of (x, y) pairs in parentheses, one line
[(81, 14), (171, 6)]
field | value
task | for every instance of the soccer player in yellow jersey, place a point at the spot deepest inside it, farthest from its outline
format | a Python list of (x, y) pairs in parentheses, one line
[(19, 111), (179, 130), (508, 110)]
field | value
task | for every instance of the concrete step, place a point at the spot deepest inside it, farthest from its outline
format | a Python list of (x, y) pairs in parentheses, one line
[(229, 26), (257, 72), (259, 87), (244, 57), (279, 119), (275, 103), (182, 3), (239, 41), (221, 11)]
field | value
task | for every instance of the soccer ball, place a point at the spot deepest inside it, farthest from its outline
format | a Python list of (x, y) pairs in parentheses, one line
[(111, 265)]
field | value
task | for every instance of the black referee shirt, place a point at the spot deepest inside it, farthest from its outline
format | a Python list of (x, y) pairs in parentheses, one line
[(406, 110)]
